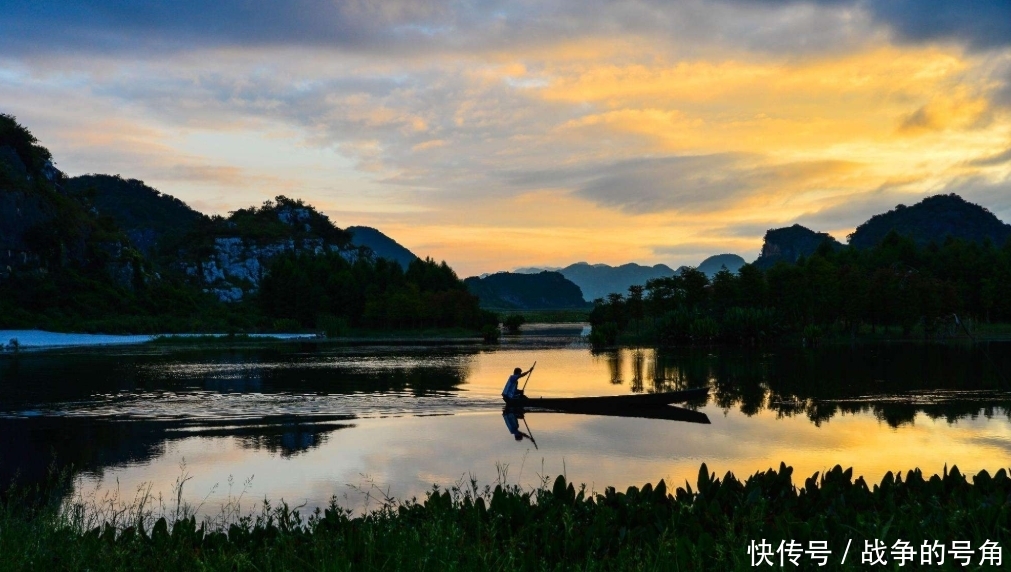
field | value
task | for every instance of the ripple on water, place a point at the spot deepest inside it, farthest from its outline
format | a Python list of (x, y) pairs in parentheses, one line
[(211, 405)]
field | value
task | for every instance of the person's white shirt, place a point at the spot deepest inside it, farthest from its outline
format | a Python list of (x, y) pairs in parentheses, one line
[(512, 385)]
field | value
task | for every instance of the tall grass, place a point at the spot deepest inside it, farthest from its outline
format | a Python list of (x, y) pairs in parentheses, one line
[(552, 527)]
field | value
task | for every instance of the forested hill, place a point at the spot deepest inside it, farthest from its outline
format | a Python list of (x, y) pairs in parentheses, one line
[(43, 228), (382, 245), (147, 216), (933, 219), (508, 290), (104, 253)]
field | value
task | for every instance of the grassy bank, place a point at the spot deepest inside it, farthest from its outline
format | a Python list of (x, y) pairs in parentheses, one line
[(706, 527)]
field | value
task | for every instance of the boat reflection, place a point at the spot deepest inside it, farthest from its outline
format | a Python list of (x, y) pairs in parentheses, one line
[(512, 415)]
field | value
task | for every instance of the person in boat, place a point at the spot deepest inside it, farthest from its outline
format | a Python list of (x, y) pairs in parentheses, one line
[(512, 387), (514, 425)]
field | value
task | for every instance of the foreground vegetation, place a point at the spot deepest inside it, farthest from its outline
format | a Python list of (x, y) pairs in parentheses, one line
[(896, 286), (708, 527)]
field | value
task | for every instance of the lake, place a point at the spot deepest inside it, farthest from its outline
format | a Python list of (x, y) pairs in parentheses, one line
[(306, 421)]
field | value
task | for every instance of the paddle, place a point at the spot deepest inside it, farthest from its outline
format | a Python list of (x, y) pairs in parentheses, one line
[(529, 432), (528, 378)]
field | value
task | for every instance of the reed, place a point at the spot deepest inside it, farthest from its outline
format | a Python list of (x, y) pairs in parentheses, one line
[(552, 527)]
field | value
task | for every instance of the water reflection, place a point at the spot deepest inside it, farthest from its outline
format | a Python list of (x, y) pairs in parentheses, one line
[(666, 412), (894, 382), (136, 413), (511, 417), (290, 379), (638, 359), (32, 449)]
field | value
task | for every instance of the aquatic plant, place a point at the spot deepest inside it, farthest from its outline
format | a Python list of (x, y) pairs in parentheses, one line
[(713, 526)]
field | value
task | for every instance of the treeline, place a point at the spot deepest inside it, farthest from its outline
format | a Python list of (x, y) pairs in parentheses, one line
[(893, 285), (319, 292), (327, 291)]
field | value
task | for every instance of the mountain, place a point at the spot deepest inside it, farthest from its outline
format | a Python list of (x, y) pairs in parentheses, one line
[(148, 217), (45, 230), (513, 291), (103, 253), (714, 264), (933, 219), (599, 280), (382, 245), (536, 270), (229, 257), (790, 243)]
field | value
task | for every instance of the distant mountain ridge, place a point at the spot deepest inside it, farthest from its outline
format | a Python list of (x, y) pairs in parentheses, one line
[(381, 245), (599, 280), (514, 291)]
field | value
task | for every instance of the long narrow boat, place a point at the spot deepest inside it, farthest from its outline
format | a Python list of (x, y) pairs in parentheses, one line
[(666, 412), (608, 402)]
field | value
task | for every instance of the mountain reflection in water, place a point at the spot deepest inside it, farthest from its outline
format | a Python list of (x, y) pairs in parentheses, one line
[(352, 410)]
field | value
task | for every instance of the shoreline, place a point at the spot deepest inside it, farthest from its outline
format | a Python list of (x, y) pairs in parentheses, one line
[(35, 340)]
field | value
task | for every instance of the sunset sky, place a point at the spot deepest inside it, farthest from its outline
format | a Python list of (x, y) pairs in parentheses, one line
[(496, 134)]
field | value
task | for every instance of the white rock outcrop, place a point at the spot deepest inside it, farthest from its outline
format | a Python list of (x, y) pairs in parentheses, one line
[(236, 267)]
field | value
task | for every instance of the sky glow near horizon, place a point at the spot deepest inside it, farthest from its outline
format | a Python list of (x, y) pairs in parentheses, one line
[(495, 134)]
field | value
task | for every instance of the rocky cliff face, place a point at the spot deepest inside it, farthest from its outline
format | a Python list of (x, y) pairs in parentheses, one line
[(790, 243), (22, 210), (237, 266), (19, 212)]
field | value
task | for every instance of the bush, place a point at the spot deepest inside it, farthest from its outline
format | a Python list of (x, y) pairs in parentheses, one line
[(513, 323), (490, 333)]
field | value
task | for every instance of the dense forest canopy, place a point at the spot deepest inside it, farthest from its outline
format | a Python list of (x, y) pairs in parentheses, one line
[(896, 283), (314, 289)]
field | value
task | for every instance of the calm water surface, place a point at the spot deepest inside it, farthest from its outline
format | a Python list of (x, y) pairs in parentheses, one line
[(304, 422)]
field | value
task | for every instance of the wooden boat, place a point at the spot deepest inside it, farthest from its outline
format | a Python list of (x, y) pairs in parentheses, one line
[(608, 402), (665, 412)]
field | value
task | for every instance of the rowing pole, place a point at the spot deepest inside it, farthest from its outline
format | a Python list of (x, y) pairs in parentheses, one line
[(528, 377)]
